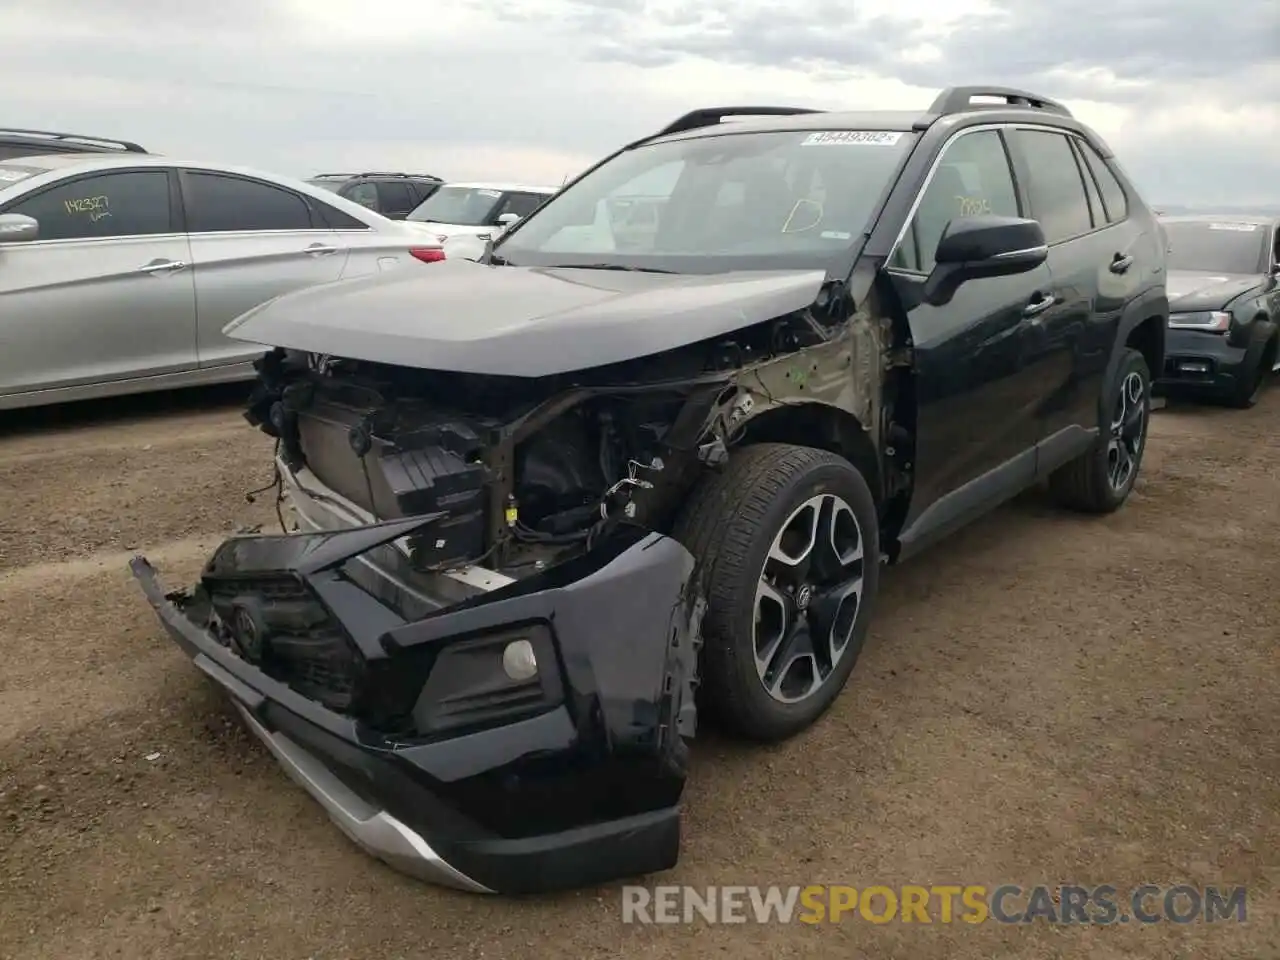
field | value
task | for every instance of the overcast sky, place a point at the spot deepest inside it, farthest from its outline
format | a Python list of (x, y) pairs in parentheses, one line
[(1186, 91)]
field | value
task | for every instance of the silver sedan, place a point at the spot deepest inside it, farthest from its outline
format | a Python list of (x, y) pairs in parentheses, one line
[(118, 273)]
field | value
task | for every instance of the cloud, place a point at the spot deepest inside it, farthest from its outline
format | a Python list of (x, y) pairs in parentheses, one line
[(1187, 93)]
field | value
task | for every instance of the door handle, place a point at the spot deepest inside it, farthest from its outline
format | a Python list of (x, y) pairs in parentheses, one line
[(158, 267), (1121, 262), (1037, 307), (320, 250)]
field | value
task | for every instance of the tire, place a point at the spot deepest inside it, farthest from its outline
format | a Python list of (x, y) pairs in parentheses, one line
[(1087, 484), (1249, 389), (730, 525)]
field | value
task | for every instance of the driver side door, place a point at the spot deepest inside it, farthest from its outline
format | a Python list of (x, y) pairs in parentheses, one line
[(105, 292), (976, 402)]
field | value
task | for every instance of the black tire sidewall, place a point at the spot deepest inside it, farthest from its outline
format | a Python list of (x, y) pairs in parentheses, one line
[(1133, 362), (836, 477), (1250, 389)]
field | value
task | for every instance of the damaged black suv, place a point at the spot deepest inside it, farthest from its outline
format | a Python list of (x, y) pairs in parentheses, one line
[(551, 505)]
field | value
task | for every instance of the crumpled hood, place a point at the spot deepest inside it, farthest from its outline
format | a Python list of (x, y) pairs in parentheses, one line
[(518, 321), (1193, 290)]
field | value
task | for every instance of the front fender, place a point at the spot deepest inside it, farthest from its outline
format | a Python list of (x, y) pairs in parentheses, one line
[(1151, 304), (1252, 328)]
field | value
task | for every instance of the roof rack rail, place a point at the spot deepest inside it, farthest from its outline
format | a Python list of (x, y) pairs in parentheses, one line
[(959, 100), (124, 145), (377, 173), (394, 173), (709, 116)]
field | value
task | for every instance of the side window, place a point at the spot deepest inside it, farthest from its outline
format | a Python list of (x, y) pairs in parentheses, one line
[(394, 197), (365, 194), (1117, 205), (1097, 212), (221, 204), (973, 177), (1054, 185), (335, 219), (132, 204), (522, 204)]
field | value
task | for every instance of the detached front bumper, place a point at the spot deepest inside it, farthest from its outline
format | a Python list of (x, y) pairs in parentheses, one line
[(579, 789)]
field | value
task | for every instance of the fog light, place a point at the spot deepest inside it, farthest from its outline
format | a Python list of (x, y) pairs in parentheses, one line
[(519, 661), (1193, 366)]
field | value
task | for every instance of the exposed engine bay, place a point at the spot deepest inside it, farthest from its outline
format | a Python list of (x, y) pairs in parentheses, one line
[(527, 472)]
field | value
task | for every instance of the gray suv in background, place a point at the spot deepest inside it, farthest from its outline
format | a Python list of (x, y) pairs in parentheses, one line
[(15, 142)]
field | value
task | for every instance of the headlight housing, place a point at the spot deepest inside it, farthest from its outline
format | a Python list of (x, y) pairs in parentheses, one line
[(1215, 321)]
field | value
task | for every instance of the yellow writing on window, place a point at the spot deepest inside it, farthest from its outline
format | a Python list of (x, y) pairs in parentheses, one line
[(95, 208), (973, 206)]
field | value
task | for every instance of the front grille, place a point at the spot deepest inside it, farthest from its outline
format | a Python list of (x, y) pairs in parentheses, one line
[(277, 624)]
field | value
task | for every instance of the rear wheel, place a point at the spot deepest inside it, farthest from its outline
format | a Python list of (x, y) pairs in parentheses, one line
[(1100, 480), (787, 544)]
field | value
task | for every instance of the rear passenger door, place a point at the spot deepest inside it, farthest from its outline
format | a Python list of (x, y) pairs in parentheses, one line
[(250, 241), (976, 401), (104, 292), (1092, 243)]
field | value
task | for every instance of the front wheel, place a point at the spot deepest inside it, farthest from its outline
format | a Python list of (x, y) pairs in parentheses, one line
[(1101, 479), (1249, 389), (787, 544)]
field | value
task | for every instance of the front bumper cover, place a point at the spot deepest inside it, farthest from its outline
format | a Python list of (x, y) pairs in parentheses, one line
[(1197, 360), (585, 792)]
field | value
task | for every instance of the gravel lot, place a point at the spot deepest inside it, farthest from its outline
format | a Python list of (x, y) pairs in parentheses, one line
[(1044, 698)]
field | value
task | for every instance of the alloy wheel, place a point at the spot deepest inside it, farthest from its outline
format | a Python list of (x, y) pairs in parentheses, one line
[(1128, 432), (808, 597)]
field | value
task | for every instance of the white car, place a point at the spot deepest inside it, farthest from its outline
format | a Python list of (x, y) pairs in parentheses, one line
[(464, 216), (118, 272)]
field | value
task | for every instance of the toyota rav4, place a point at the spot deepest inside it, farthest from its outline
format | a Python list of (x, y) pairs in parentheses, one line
[(551, 506)]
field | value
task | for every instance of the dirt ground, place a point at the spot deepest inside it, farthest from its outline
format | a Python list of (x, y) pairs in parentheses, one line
[(1045, 698)]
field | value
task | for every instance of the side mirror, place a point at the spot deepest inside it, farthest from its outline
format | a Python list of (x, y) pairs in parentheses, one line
[(984, 246), (507, 219), (16, 228)]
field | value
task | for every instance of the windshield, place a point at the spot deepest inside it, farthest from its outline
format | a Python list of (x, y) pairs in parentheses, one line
[(330, 185), (1218, 247), (747, 201), (465, 206)]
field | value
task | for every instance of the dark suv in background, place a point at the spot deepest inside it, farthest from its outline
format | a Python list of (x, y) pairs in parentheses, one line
[(391, 194), (1224, 305), (38, 143)]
